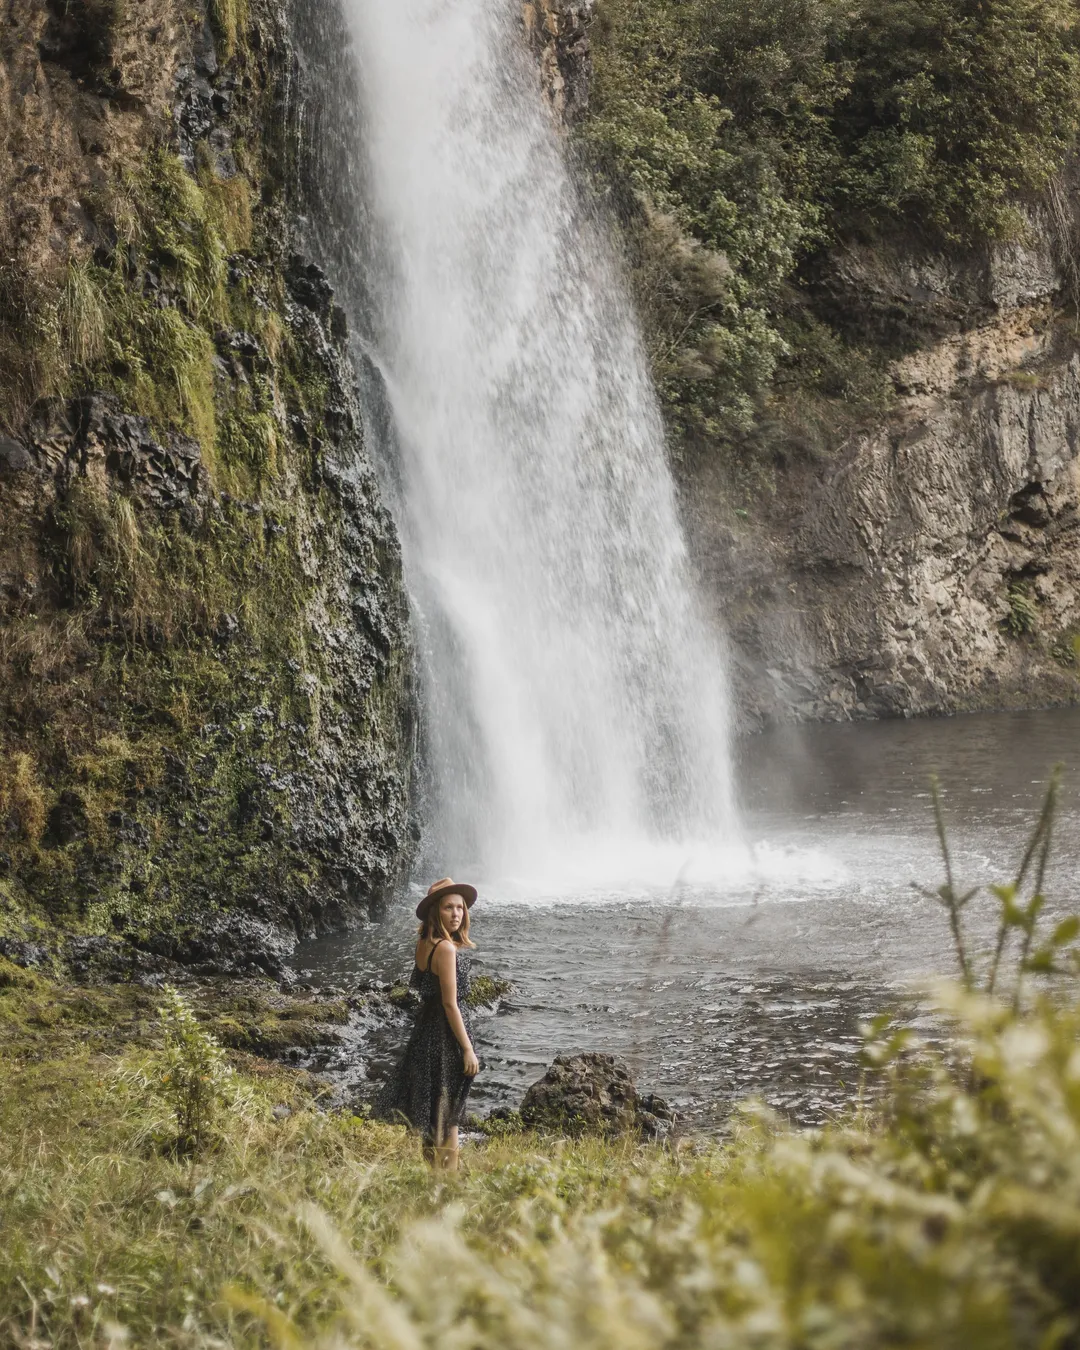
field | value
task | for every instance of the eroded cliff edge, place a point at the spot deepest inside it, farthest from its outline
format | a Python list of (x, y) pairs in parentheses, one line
[(931, 562), (852, 233), (206, 701)]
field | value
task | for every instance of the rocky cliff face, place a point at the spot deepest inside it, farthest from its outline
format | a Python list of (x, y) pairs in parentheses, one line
[(206, 705), (930, 563), (933, 563), (558, 31)]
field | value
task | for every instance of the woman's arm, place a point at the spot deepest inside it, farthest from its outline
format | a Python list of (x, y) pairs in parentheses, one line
[(444, 964)]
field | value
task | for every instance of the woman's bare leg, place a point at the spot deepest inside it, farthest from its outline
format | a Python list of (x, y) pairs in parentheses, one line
[(446, 1154)]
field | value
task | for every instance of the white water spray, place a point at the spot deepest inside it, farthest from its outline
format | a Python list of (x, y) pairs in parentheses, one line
[(575, 702)]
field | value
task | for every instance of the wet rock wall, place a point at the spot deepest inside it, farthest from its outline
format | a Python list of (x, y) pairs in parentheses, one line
[(558, 32), (206, 700)]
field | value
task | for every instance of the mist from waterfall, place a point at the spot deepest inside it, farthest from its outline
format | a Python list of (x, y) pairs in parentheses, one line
[(575, 703)]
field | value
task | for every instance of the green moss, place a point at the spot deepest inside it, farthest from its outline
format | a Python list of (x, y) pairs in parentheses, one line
[(41, 1014), (103, 324), (24, 800), (249, 444), (227, 209), (176, 839), (486, 991), (168, 682), (14, 977), (294, 1028)]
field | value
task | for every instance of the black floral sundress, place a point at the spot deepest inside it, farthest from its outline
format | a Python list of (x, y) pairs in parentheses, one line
[(429, 1087)]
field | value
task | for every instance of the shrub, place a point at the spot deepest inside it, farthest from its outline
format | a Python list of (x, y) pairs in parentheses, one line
[(958, 111), (1023, 615)]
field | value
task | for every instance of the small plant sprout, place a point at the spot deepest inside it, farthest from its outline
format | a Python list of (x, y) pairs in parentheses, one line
[(1017, 915), (192, 1072)]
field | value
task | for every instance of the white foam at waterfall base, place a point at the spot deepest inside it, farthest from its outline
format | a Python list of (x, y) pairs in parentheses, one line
[(595, 870), (573, 694)]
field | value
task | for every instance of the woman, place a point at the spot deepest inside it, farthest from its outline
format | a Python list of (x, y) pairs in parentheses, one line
[(431, 1085)]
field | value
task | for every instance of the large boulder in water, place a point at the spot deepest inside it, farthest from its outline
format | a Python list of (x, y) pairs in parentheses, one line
[(593, 1093)]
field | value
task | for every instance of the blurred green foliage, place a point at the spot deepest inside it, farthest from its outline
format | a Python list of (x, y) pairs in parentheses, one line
[(741, 138), (945, 1215)]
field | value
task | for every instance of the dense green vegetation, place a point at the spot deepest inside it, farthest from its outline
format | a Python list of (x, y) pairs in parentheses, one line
[(743, 139)]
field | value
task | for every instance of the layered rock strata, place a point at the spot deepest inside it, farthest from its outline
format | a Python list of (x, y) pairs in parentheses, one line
[(932, 564)]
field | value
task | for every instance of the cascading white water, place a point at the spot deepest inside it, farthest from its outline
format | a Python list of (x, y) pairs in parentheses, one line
[(575, 702)]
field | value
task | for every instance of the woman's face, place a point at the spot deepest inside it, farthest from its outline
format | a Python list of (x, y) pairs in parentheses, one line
[(452, 912)]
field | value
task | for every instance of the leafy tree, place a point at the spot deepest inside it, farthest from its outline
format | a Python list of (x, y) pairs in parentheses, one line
[(740, 138), (958, 112)]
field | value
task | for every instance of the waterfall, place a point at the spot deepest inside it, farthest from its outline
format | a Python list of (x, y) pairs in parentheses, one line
[(575, 702)]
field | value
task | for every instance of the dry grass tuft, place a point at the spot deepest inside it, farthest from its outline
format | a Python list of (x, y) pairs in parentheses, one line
[(230, 20), (83, 315)]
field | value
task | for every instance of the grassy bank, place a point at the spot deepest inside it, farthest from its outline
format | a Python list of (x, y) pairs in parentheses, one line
[(950, 1216), (158, 1188)]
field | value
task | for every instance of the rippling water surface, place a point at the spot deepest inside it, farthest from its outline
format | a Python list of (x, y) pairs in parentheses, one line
[(741, 972)]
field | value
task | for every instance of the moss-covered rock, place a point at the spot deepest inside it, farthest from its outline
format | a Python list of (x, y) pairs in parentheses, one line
[(206, 697), (487, 991)]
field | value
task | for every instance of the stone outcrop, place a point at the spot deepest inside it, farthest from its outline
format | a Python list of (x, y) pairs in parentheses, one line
[(558, 31), (93, 439), (593, 1093), (932, 564)]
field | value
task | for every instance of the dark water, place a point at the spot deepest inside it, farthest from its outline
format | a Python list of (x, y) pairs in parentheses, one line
[(754, 983)]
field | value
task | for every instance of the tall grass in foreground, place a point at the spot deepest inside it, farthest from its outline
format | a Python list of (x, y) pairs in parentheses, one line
[(950, 1217)]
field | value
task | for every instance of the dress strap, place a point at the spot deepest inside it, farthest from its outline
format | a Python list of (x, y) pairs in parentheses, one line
[(431, 953)]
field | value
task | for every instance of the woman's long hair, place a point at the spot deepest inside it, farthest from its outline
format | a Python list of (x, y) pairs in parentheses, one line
[(433, 929)]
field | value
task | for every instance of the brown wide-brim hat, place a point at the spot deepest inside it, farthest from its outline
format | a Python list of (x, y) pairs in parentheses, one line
[(438, 889)]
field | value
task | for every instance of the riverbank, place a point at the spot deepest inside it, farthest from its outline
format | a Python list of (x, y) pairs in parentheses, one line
[(745, 968), (947, 1217)]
